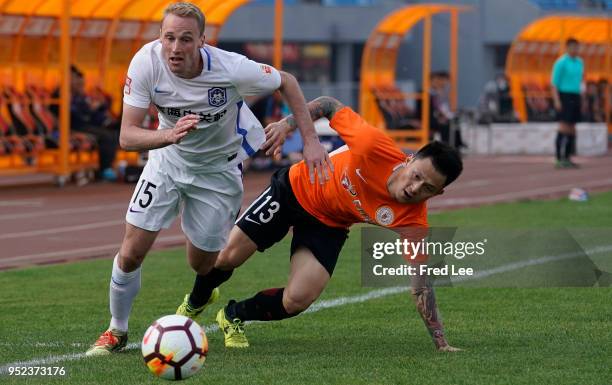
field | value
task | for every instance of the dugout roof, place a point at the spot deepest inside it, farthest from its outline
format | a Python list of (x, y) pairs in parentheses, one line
[(19, 13), (39, 39), (379, 60), (216, 11)]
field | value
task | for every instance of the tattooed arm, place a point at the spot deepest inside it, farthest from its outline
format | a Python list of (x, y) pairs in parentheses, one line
[(425, 300), (323, 106)]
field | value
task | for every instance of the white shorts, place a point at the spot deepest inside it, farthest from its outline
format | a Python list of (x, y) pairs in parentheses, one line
[(209, 202)]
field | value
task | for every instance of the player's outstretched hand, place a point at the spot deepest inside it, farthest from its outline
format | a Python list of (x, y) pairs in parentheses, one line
[(276, 133), (448, 348), (183, 126), (317, 160)]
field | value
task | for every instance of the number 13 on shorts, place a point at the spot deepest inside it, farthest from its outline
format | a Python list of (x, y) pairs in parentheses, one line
[(262, 210)]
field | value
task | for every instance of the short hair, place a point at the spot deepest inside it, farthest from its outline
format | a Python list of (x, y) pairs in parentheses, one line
[(74, 70), (444, 74), (183, 9), (571, 41), (445, 159)]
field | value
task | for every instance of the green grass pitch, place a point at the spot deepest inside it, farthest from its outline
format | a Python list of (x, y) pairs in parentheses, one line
[(510, 336)]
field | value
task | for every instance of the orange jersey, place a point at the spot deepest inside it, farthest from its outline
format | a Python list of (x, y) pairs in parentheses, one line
[(357, 191)]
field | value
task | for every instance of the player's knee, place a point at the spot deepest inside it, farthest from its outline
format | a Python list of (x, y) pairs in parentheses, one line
[(229, 258), (294, 304), (202, 263), (130, 257), (129, 262)]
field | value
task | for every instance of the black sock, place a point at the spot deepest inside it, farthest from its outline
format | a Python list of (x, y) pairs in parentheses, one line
[(571, 146), (266, 305), (559, 145), (205, 284)]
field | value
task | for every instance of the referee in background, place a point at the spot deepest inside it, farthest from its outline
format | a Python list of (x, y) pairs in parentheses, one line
[(567, 76)]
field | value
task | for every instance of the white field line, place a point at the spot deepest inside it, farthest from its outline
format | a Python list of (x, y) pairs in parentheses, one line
[(332, 303), (22, 202), (537, 261), (44, 344), (493, 179), (212, 328), (75, 210), (57, 230), (514, 195)]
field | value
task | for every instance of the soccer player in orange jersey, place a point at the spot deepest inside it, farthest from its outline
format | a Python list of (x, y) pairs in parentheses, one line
[(373, 182)]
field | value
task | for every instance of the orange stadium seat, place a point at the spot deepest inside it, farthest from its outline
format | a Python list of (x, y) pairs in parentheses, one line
[(40, 101), (24, 123)]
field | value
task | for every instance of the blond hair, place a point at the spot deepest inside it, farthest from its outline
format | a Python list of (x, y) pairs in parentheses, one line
[(182, 9)]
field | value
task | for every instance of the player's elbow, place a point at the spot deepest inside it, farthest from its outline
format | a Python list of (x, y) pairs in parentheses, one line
[(286, 79), (330, 101), (124, 142)]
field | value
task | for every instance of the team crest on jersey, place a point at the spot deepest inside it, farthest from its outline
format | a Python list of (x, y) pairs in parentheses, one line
[(346, 183), (217, 96), (385, 215)]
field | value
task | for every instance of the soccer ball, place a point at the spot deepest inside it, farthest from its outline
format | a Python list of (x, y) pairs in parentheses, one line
[(174, 347)]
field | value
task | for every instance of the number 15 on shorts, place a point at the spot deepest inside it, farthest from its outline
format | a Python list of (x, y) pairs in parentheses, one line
[(144, 197)]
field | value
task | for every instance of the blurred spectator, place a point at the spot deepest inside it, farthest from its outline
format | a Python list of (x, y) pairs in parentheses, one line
[(101, 116), (496, 102), (605, 97), (593, 104), (275, 108), (440, 115), (539, 103), (392, 104), (91, 115)]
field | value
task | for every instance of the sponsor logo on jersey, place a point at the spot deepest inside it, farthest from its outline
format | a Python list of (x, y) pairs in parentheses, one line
[(266, 69), (176, 113), (128, 85), (346, 183), (385, 215), (217, 96), (358, 172), (366, 218), (159, 91)]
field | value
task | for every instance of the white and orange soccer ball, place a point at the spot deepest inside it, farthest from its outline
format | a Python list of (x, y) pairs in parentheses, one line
[(174, 347)]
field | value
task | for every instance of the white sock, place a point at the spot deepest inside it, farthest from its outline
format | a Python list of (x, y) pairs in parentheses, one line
[(123, 289)]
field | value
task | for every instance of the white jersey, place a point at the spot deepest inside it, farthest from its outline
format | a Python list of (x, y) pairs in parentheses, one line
[(228, 131)]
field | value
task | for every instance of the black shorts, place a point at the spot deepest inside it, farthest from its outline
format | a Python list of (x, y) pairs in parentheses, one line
[(268, 219), (570, 107)]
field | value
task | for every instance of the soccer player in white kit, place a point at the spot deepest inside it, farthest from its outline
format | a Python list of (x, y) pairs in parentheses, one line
[(205, 132)]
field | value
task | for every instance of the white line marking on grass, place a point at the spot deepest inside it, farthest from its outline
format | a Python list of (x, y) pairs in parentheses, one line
[(212, 328), (331, 303), (44, 344), (533, 262), (336, 302)]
